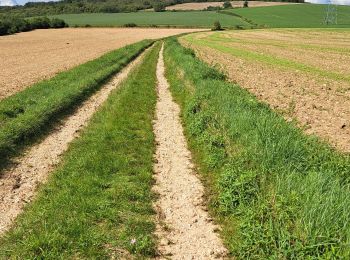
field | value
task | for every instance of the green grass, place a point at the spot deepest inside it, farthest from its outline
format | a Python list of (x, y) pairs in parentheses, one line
[(180, 19), (278, 193), (28, 112), (99, 198), (293, 16)]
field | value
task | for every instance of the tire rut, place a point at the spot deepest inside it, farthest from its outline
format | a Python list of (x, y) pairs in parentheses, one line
[(19, 183), (184, 227)]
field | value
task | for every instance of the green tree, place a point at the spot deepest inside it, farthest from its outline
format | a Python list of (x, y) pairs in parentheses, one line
[(159, 7)]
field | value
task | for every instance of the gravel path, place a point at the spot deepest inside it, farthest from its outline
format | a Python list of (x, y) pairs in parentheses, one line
[(18, 184), (184, 227)]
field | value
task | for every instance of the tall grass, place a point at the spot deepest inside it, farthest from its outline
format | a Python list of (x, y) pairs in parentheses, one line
[(28, 112), (277, 192), (98, 203)]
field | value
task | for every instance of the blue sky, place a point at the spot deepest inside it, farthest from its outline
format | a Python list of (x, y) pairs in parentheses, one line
[(310, 1)]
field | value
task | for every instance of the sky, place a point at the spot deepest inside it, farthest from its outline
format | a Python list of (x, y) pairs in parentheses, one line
[(344, 2)]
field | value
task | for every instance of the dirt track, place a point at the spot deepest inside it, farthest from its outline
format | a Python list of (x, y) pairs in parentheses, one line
[(29, 57), (204, 5), (18, 184), (184, 228)]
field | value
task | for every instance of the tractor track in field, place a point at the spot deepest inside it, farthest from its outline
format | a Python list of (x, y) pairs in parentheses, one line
[(184, 227), (19, 183)]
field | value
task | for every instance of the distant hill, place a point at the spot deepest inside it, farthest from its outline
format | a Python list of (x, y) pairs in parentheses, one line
[(82, 6), (90, 6)]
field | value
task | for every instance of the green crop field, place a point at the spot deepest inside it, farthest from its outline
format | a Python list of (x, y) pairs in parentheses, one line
[(293, 16), (183, 19)]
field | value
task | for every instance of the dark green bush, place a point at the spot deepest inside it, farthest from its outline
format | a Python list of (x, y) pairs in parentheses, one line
[(13, 25), (159, 7), (245, 4), (130, 25), (217, 26), (227, 5)]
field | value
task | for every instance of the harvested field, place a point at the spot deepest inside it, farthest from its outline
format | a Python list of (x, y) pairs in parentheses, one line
[(29, 57), (297, 72), (201, 6)]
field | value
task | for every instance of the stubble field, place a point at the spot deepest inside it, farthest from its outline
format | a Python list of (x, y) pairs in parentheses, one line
[(27, 58), (304, 74)]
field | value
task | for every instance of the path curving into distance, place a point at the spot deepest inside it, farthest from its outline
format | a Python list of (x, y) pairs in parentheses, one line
[(184, 228), (18, 184)]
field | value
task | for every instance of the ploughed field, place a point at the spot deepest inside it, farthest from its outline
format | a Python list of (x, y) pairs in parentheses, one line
[(302, 73), (29, 57)]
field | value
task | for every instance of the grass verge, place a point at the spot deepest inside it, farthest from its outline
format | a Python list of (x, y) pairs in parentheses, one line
[(26, 113), (277, 192), (98, 203)]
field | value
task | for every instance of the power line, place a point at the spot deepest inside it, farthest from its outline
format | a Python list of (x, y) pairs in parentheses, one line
[(331, 16)]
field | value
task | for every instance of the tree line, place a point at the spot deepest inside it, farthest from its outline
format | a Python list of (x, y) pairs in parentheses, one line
[(32, 9), (11, 25)]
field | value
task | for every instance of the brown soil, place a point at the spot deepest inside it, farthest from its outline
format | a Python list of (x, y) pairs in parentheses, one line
[(306, 52), (29, 57), (18, 184), (201, 6), (320, 105), (184, 227)]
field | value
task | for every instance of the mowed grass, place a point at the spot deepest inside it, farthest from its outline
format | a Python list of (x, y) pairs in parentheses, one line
[(294, 16), (180, 19), (98, 203), (278, 193), (27, 113)]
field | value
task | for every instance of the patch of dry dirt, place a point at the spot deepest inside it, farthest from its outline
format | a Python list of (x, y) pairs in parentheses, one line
[(18, 184), (320, 105), (184, 227), (204, 5), (29, 57)]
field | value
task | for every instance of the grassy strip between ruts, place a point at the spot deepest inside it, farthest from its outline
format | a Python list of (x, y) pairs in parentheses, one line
[(277, 192), (98, 203), (28, 112)]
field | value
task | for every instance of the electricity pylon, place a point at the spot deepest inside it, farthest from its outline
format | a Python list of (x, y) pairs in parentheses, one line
[(331, 16)]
